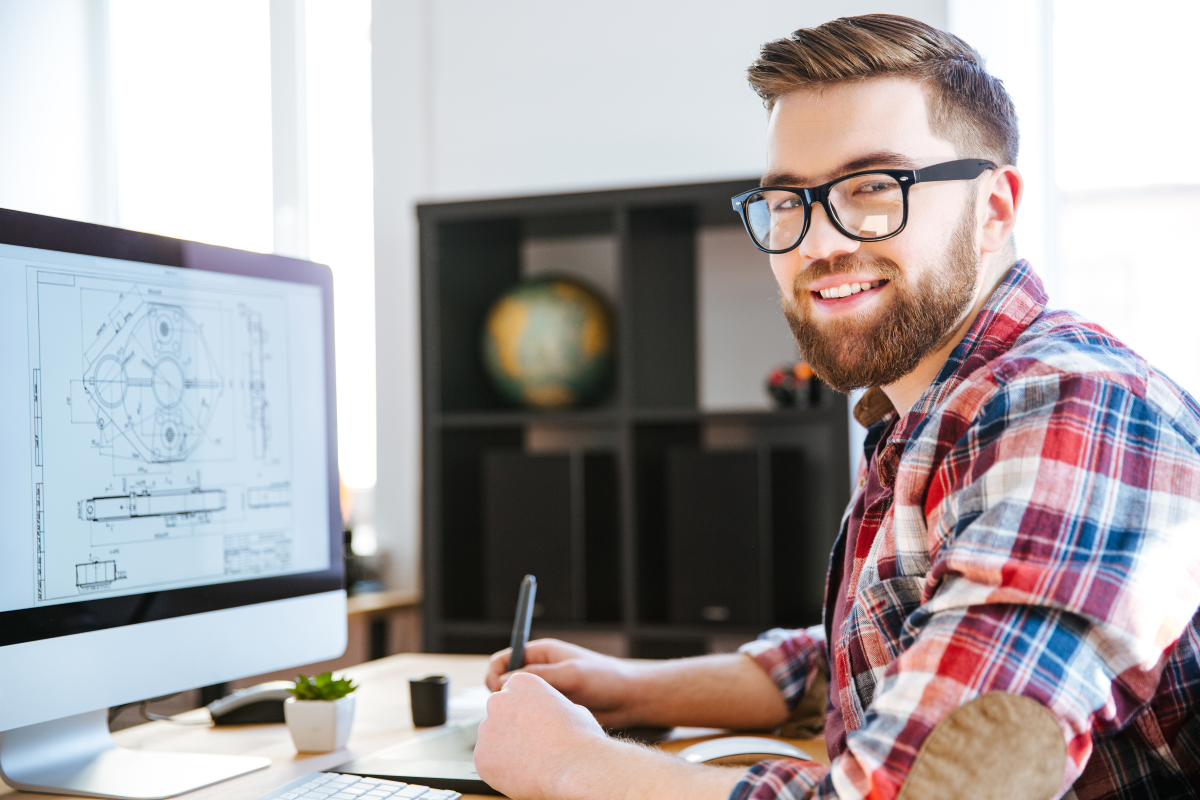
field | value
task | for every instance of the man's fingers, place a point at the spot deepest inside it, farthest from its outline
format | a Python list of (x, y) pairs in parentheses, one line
[(563, 676), (497, 667)]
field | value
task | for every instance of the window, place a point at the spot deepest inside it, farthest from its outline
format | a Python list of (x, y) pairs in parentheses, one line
[(192, 131), (1125, 128), (191, 115)]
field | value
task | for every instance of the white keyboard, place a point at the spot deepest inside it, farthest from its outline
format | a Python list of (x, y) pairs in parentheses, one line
[(333, 786)]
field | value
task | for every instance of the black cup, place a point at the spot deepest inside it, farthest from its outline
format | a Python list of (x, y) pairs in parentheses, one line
[(429, 700)]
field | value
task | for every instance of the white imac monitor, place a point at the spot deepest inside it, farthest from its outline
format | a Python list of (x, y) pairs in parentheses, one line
[(168, 490)]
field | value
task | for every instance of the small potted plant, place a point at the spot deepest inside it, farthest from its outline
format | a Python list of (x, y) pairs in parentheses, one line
[(320, 712)]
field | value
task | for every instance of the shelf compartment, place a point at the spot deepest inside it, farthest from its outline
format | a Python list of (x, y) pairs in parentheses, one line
[(555, 516), (715, 517)]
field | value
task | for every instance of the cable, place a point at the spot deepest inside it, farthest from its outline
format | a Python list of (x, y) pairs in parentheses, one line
[(151, 717), (148, 715)]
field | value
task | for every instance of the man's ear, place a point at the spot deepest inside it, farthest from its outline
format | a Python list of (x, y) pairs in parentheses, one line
[(1002, 191)]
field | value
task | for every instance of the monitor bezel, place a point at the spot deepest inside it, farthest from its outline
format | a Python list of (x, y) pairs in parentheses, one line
[(81, 238)]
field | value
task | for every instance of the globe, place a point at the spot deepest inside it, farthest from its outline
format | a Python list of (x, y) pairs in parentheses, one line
[(547, 343)]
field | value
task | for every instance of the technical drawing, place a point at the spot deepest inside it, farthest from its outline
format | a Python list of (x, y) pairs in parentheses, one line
[(95, 575), (154, 381), (160, 411), (259, 423), (170, 503), (257, 553), (278, 494)]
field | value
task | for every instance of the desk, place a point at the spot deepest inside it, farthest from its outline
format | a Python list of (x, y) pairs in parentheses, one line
[(382, 719)]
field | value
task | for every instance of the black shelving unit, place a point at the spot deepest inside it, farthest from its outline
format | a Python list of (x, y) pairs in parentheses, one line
[(644, 499)]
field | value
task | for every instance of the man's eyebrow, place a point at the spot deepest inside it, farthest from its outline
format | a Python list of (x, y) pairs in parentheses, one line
[(888, 159)]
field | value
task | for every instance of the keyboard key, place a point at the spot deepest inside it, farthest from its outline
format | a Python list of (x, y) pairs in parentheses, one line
[(411, 791)]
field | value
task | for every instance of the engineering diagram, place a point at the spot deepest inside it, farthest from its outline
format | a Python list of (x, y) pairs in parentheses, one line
[(180, 504), (154, 381), (260, 424), (96, 575), (161, 416)]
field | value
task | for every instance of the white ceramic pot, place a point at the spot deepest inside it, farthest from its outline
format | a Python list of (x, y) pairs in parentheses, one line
[(318, 726)]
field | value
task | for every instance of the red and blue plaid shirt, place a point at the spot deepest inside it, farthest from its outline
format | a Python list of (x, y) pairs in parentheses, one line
[(1042, 539)]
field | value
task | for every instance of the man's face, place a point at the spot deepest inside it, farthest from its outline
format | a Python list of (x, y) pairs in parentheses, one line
[(929, 272)]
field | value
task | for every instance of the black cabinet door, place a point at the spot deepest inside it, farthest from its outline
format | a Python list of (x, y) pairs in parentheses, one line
[(713, 520), (527, 530)]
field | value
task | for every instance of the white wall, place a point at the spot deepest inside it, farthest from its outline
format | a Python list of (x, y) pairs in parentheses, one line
[(481, 99)]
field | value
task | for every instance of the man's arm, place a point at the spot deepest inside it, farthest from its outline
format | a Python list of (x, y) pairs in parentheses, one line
[(535, 744), (720, 691)]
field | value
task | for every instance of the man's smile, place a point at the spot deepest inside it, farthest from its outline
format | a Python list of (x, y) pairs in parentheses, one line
[(838, 292)]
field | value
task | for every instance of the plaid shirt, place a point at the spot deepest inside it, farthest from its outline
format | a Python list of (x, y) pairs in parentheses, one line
[(1043, 540)]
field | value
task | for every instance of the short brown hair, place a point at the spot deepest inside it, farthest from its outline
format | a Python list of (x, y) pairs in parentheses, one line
[(966, 105)]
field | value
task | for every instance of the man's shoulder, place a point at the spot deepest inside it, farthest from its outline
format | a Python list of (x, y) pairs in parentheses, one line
[(1064, 344), (1063, 360)]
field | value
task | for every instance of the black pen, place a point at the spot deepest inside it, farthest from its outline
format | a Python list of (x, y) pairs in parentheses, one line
[(520, 634)]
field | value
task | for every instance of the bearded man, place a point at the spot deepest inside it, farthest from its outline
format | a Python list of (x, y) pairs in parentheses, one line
[(1011, 608)]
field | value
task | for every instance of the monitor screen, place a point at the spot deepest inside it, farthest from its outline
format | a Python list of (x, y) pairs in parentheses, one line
[(167, 436)]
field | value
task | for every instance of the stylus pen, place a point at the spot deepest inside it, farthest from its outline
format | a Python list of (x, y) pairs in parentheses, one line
[(520, 634)]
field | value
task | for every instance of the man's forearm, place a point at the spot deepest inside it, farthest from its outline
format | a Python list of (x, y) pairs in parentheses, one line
[(633, 771), (722, 691)]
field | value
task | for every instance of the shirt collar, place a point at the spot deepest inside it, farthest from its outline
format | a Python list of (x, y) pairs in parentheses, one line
[(1014, 305)]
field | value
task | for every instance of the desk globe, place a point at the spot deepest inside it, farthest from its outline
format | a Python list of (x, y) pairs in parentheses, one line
[(547, 343)]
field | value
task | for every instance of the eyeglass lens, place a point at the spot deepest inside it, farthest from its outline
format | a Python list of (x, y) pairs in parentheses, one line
[(866, 206)]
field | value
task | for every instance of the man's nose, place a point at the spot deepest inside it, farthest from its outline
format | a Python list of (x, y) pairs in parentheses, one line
[(823, 240)]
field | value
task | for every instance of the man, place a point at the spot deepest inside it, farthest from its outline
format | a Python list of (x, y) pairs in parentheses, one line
[(1012, 601)]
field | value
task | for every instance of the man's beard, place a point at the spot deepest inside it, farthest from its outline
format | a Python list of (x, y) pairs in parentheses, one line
[(879, 347)]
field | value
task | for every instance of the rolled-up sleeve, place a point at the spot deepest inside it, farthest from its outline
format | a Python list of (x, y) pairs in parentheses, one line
[(797, 660)]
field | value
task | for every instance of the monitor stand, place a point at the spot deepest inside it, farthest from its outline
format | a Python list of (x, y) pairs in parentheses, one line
[(77, 756)]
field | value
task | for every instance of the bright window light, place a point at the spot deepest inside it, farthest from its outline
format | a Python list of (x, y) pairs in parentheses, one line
[(191, 88), (341, 212), (1124, 135), (1126, 110)]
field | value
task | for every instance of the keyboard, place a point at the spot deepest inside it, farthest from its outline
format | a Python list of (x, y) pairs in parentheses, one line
[(334, 786)]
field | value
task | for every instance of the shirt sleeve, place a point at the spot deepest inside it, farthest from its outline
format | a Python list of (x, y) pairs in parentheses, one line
[(1062, 536), (795, 659)]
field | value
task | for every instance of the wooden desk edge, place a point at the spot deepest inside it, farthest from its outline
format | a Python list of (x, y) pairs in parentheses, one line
[(383, 719), (370, 602)]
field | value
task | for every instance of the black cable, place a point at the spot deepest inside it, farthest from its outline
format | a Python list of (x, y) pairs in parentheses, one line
[(151, 717), (146, 714)]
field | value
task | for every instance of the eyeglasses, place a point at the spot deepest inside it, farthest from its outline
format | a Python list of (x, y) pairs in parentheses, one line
[(865, 206)]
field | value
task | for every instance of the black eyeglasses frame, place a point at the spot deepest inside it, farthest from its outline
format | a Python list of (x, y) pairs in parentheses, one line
[(961, 170)]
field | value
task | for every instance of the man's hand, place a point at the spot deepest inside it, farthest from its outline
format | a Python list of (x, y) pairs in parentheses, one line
[(602, 684), (533, 738), (718, 691), (535, 744)]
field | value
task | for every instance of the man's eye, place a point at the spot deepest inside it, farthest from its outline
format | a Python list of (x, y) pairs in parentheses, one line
[(874, 187), (787, 204)]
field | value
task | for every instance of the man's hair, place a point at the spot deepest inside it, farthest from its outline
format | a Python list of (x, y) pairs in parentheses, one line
[(966, 106)]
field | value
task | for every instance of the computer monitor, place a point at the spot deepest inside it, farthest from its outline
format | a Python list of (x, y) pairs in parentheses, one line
[(169, 511)]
